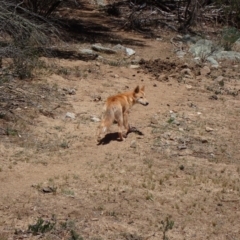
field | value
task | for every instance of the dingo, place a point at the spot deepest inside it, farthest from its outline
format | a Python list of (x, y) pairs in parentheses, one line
[(117, 109)]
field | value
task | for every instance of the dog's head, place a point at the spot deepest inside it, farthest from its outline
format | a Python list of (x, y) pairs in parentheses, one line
[(139, 95)]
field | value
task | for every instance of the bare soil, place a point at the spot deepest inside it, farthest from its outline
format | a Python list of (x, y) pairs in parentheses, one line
[(181, 167)]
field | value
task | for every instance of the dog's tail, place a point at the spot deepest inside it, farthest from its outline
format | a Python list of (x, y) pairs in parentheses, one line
[(106, 122)]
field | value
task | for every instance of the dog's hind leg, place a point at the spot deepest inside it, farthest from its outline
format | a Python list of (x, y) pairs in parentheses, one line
[(106, 122), (120, 128), (125, 123)]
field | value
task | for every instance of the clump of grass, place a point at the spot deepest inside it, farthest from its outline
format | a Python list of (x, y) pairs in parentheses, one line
[(148, 162), (68, 192), (64, 144), (149, 196), (77, 71), (11, 131), (74, 235), (41, 227), (63, 71), (171, 120), (167, 225)]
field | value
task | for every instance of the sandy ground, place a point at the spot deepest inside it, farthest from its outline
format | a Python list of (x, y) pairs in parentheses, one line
[(183, 169)]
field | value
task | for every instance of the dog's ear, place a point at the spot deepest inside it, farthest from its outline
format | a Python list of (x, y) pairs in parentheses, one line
[(136, 90), (143, 88)]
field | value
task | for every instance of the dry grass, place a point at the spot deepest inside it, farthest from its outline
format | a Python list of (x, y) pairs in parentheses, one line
[(177, 172)]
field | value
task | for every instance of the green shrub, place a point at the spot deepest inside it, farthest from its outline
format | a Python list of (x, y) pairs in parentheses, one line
[(229, 36)]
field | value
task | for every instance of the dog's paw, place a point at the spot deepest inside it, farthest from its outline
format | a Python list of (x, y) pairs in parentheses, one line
[(124, 135)]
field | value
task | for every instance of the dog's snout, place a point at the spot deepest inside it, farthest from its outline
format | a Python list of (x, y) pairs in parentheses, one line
[(146, 103)]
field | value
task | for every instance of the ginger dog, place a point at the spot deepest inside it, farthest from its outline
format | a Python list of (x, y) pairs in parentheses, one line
[(117, 109)]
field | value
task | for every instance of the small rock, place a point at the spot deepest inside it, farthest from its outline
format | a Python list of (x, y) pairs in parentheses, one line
[(154, 120), (133, 144), (208, 129), (204, 140), (185, 65), (134, 66), (95, 119), (97, 99), (71, 91), (100, 57), (181, 167), (119, 47), (188, 86), (86, 51), (173, 75), (181, 54), (214, 63), (181, 147), (186, 71), (130, 51), (205, 71), (100, 48), (70, 115), (48, 189), (219, 79), (176, 122), (213, 97), (101, 3), (162, 77), (173, 115)]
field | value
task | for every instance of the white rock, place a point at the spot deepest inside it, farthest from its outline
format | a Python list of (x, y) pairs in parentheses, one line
[(70, 115), (214, 63), (86, 51), (208, 129), (95, 119), (130, 51), (134, 66), (188, 86)]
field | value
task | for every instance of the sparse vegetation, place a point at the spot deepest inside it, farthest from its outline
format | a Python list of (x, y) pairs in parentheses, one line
[(167, 225), (25, 34), (41, 227), (57, 183), (229, 36)]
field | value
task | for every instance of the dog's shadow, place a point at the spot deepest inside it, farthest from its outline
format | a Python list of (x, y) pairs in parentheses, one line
[(114, 136)]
